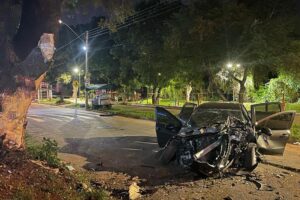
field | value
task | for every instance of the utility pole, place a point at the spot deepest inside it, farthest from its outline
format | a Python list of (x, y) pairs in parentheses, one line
[(86, 76)]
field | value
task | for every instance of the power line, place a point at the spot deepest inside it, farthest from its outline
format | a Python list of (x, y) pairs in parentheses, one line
[(139, 17), (134, 22), (134, 19), (65, 45), (138, 14)]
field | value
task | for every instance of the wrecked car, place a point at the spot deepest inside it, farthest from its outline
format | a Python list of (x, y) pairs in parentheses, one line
[(214, 138)]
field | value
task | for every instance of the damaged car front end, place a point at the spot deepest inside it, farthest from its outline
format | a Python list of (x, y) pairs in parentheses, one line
[(213, 138)]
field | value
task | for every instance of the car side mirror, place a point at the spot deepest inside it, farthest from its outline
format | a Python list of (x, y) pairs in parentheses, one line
[(267, 131)]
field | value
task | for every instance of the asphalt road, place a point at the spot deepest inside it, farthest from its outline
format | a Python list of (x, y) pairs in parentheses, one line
[(119, 144), (97, 142)]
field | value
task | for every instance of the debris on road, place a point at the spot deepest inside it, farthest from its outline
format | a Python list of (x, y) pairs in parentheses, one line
[(257, 181), (296, 143), (134, 191), (70, 167), (41, 164)]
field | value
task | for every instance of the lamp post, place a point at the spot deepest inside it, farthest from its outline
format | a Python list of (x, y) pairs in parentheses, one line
[(85, 48), (86, 76)]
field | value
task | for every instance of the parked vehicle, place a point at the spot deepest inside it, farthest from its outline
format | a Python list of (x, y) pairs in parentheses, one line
[(214, 138), (101, 101)]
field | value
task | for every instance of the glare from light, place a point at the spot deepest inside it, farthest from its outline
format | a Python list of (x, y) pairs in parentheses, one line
[(84, 48), (60, 21), (76, 70), (229, 65), (238, 65), (159, 74)]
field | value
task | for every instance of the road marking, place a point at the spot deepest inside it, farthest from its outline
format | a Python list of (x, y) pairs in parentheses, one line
[(36, 119), (132, 149), (141, 142)]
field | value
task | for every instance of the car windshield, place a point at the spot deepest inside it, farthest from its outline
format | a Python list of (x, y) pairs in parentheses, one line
[(208, 117)]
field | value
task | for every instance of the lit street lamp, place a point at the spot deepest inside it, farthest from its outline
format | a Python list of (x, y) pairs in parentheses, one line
[(229, 65), (85, 48)]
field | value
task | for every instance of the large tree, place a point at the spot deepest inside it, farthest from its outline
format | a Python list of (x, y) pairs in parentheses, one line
[(27, 32), (26, 46), (207, 35)]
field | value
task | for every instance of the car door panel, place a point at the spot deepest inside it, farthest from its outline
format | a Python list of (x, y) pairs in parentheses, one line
[(167, 126), (280, 125)]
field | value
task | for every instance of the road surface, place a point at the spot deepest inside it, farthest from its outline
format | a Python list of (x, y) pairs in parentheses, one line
[(118, 144), (92, 141)]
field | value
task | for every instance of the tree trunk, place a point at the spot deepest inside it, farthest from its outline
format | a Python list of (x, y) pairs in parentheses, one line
[(154, 95), (25, 58), (158, 96), (75, 89), (188, 92), (242, 93)]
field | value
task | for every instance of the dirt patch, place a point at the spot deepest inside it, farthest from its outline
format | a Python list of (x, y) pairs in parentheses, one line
[(20, 178)]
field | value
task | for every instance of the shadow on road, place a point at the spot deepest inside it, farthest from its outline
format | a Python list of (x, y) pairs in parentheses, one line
[(133, 155)]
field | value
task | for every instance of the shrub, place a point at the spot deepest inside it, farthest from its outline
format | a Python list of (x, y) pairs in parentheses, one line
[(295, 133), (47, 151)]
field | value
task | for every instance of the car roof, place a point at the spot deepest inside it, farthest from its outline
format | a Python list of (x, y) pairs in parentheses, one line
[(219, 105)]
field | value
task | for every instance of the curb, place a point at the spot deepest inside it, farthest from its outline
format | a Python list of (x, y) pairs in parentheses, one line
[(293, 169)]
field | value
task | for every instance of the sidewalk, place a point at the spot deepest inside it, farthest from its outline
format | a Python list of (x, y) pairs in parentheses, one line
[(289, 160)]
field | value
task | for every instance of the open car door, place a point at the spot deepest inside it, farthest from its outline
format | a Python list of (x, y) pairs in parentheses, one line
[(167, 125), (186, 111), (278, 123)]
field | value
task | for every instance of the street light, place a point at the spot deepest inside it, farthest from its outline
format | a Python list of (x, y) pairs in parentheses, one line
[(85, 48), (229, 65)]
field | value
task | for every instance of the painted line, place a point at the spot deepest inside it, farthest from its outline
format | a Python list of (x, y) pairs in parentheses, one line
[(36, 119), (141, 142), (132, 149)]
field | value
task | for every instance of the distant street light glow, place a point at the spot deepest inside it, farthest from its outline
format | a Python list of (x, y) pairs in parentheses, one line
[(60, 21), (84, 48), (238, 65), (229, 65), (76, 70)]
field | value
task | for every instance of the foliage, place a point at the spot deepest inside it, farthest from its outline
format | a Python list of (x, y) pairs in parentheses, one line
[(94, 195), (23, 194), (64, 78), (295, 136), (47, 151), (275, 88), (191, 45)]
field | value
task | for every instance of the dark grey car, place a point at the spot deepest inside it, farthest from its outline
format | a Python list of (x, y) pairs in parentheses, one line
[(217, 136)]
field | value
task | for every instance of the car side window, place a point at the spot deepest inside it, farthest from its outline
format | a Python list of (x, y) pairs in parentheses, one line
[(279, 122), (187, 111), (163, 117)]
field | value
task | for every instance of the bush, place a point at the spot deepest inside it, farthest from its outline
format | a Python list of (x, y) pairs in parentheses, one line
[(94, 195), (47, 151), (295, 133)]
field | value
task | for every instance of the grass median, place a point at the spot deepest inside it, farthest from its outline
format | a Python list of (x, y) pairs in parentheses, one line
[(138, 112)]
